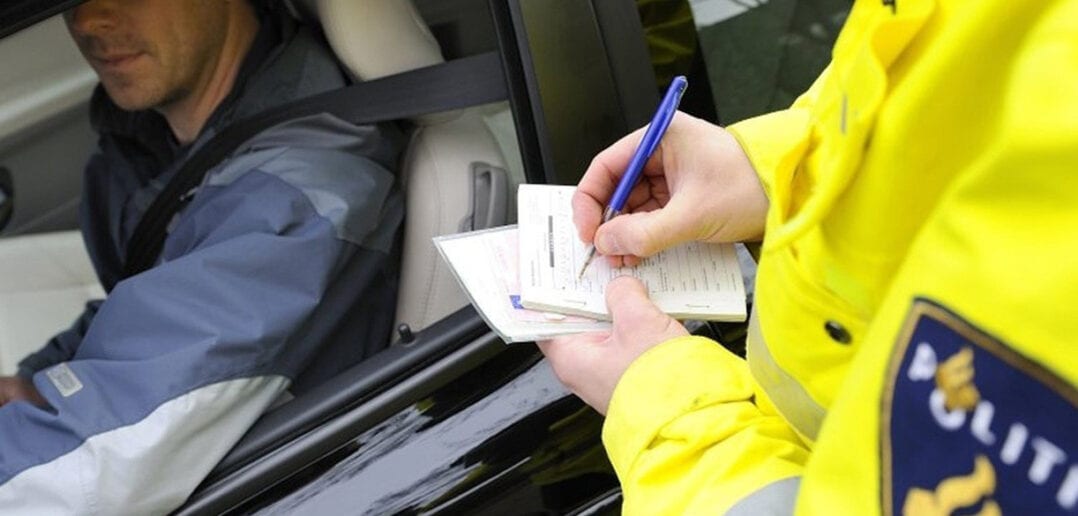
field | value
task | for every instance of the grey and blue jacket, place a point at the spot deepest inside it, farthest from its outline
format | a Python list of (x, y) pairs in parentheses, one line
[(280, 272)]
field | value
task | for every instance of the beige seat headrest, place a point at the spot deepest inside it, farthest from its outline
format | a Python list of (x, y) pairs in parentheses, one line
[(376, 38)]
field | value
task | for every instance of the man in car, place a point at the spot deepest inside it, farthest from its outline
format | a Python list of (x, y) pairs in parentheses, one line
[(279, 272)]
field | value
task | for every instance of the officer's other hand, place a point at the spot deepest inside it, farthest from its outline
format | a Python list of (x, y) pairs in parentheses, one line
[(697, 186), (14, 388), (591, 364)]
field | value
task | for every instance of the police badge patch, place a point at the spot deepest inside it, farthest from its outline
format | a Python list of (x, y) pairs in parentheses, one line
[(972, 427)]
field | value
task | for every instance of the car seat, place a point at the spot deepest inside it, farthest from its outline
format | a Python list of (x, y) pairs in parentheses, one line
[(453, 169)]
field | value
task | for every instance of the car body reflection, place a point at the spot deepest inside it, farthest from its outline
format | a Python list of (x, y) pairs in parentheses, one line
[(507, 437)]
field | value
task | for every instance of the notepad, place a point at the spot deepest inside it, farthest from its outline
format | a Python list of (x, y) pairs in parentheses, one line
[(691, 281), (522, 279)]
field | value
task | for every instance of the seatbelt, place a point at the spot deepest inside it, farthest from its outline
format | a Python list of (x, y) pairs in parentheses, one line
[(455, 84)]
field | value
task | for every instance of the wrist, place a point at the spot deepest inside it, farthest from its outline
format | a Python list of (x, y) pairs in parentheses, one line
[(671, 379)]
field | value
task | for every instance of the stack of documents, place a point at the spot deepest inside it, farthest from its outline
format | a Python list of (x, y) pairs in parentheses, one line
[(524, 280)]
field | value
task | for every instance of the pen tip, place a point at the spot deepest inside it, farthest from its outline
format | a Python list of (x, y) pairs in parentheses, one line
[(588, 257), (587, 261)]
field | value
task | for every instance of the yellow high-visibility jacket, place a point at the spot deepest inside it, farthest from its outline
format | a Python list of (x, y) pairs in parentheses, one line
[(911, 350)]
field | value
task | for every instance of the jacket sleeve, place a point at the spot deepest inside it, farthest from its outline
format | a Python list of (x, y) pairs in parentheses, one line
[(776, 142), (747, 456), (61, 347), (688, 432), (181, 359)]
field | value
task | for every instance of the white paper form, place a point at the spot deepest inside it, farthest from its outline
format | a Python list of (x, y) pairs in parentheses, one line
[(691, 281), (485, 263)]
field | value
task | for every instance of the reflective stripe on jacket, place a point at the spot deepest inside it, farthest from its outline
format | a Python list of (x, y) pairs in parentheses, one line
[(912, 346)]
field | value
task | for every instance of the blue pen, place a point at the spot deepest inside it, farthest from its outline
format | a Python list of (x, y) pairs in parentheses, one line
[(647, 146)]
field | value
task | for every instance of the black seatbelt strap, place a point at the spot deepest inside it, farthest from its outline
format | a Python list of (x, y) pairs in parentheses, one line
[(456, 84)]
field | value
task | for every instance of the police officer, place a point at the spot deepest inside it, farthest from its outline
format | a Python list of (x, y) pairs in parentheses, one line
[(909, 350)]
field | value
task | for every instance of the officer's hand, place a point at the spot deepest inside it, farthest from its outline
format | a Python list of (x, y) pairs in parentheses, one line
[(14, 388), (697, 186), (591, 364)]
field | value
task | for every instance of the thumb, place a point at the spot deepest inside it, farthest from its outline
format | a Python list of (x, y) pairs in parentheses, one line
[(637, 321), (627, 299), (642, 234)]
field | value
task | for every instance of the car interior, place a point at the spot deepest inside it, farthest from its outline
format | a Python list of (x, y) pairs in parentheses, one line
[(461, 169), (470, 159), (457, 177), (576, 76), (468, 183)]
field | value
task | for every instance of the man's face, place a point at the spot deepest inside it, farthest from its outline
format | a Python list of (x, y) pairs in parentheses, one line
[(149, 53)]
